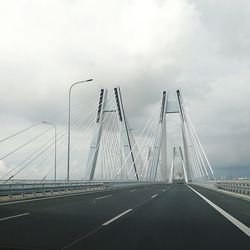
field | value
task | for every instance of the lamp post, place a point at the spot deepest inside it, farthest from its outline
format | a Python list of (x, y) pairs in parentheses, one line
[(52, 124), (70, 89)]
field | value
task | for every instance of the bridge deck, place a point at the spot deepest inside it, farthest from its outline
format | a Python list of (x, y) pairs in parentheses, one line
[(132, 218)]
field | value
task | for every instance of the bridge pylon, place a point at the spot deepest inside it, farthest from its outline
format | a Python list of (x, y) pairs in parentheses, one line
[(173, 163), (194, 161), (159, 143), (126, 137)]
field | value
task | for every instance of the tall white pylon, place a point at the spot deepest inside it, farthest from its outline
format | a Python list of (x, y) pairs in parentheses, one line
[(184, 136), (194, 160), (175, 154), (95, 143), (155, 156), (125, 134)]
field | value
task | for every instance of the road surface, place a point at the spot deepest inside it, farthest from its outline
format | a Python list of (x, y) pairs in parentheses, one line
[(149, 217)]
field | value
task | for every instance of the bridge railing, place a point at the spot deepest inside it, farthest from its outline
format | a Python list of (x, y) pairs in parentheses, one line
[(20, 187), (236, 186), (23, 188)]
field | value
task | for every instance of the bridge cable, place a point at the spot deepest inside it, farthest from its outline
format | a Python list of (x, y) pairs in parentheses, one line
[(97, 146), (110, 156), (137, 140), (200, 161), (34, 125), (150, 141), (111, 102), (21, 131), (199, 143), (37, 150), (25, 144), (34, 139), (106, 145), (52, 139), (148, 124), (151, 135), (102, 145), (115, 147), (77, 124), (29, 162), (152, 130)]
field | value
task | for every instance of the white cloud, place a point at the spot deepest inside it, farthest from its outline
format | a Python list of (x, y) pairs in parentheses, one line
[(145, 46)]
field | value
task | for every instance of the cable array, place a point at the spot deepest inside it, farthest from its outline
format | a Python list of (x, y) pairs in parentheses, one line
[(201, 167), (30, 165), (145, 138), (112, 161)]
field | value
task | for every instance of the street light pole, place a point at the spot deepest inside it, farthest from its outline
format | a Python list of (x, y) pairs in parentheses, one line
[(70, 89), (52, 124)]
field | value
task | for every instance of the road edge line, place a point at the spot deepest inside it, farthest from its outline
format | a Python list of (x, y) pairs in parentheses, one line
[(245, 229)]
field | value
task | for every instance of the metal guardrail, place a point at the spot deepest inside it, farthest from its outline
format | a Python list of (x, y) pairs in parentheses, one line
[(19, 187), (237, 186), (23, 188)]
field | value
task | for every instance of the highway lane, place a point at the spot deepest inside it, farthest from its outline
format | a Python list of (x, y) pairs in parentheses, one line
[(237, 207), (176, 219), (152, 217), (54, 223)]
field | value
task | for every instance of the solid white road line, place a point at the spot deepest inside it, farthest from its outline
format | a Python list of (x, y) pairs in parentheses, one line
[(132, 191), (154, 196), (103, 197), (236, 222), (14, 216), (117, 217)]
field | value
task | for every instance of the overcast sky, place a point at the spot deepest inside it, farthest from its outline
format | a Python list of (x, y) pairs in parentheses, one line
[(145, 46)]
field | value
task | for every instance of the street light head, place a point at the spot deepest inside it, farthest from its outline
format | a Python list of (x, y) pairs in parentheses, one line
[(88, 80)]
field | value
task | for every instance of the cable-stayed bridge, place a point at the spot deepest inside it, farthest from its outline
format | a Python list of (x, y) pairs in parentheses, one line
[(130, 191)]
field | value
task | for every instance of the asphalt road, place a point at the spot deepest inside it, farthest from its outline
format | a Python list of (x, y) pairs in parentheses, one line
[(152, 217)]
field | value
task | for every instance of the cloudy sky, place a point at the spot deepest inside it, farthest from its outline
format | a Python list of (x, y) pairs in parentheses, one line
[(145, 46)]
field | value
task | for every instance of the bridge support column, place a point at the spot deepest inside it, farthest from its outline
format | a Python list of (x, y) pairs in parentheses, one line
[(184, 137), (126, 140), (157, 148), (95, 143), (126, 136)]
